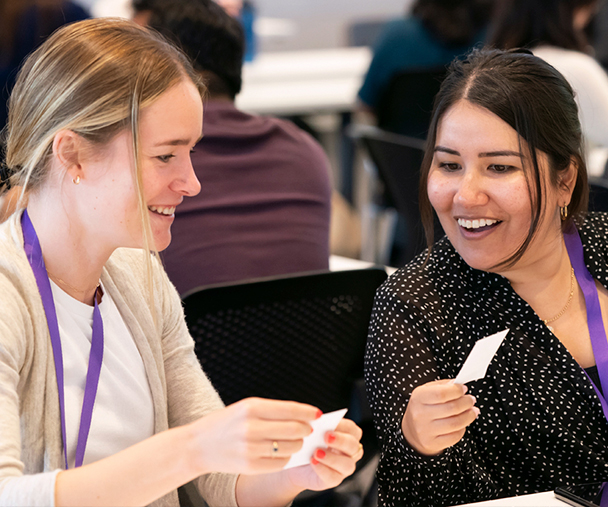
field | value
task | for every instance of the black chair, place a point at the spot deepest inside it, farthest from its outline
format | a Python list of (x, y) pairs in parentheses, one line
[(405, 106), (598, 194), (398, 159), (298, 337)]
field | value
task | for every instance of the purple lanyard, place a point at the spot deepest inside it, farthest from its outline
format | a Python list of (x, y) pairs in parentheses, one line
[(594, 311), (34, 256)]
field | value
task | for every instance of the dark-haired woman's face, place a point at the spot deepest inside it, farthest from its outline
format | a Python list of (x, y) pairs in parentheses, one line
[(478, 186)]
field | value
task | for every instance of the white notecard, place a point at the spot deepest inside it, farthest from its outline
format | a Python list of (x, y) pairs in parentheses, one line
[(327, 422), (476, 365)]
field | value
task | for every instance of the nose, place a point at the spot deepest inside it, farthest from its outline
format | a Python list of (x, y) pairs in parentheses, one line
[(187, 183), (471, 190)]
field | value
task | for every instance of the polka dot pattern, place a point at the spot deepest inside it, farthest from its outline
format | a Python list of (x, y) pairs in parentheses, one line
[(541, 424)]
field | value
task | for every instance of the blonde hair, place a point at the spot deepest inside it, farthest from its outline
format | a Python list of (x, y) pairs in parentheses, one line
[(93, 78)]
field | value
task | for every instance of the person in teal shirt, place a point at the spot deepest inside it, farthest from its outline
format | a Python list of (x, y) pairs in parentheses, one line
[(436, 32)]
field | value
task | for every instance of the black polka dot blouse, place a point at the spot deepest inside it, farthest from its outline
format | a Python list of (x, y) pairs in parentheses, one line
[(541, 424)]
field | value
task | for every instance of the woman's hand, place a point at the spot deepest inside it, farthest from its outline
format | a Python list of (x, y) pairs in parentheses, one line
[(330, 466), (240, 438), (437, 416)]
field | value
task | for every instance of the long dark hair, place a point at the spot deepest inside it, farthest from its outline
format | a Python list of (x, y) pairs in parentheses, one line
[(537, 102), (528, 23), (454, 22)]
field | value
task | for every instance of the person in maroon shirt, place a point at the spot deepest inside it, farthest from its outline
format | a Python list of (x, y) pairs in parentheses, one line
[(264, 207)]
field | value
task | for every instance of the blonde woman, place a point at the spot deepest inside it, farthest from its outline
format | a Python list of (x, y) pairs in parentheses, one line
[(103, 401)]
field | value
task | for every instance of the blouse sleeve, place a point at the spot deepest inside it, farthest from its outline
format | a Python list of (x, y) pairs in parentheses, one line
[(401, 356), (190, 395)]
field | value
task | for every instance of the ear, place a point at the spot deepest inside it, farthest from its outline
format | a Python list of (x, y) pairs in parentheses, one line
[(567, 183), (68, 152)]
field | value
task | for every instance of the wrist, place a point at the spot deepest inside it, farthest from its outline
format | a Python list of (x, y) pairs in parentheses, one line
[(196, 461), (268, 490)]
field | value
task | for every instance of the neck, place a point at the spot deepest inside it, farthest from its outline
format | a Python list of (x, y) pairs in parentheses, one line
[(540, 282), (72, 254)]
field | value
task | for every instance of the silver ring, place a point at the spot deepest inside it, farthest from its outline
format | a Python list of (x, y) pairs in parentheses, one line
[(275, 448)]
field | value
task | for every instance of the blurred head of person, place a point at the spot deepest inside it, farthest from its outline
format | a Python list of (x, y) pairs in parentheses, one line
[(538, 146), (530, 23), (455, 22), (212, 38)]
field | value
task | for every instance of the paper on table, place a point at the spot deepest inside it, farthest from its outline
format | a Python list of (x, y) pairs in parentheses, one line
[(327, 422), (476, 365)]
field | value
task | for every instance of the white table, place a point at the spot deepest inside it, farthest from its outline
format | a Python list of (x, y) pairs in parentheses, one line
[(537, 500), (304, 82), (339, 263)]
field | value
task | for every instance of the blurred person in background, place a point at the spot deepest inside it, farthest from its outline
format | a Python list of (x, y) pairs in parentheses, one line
[(264, 206), (555, 31), (430, 37), (24, 25)]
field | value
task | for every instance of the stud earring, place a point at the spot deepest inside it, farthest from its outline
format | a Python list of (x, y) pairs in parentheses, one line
[(76, 180), (563, 212)]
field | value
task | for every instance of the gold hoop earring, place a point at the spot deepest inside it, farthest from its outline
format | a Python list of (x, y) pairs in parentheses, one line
[(563, 212), (76, 180)]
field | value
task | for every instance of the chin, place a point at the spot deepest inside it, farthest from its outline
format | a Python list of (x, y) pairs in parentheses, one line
[(161, 242)]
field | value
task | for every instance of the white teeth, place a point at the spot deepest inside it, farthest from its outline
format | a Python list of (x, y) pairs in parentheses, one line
[(475, 224), (163, 211)]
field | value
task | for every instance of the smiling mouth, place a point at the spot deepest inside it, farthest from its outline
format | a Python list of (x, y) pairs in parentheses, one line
[(164, 211), (478, 225)]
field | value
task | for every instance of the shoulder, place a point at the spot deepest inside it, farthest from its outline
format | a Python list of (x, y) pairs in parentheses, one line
[(405, 28), (569, 62), (225, 123), (421, 281), (593, 229)]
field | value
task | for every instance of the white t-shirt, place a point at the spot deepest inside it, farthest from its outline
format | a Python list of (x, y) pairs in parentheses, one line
[(123, 414)]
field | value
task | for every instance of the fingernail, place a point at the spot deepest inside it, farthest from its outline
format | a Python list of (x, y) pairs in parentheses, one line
[(314, 461), (477, 411), (474, 399), (311, 430), (319, 414), (330, 438), (320, 454), (464, 389)]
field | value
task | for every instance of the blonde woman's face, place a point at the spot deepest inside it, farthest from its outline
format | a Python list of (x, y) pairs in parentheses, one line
[(169, 128)]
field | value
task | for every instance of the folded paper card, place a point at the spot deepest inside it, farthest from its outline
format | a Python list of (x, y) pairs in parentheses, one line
[(476, 365), (327, 422)]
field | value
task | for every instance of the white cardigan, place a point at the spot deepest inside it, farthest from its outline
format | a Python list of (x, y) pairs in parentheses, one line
[(30, 430)]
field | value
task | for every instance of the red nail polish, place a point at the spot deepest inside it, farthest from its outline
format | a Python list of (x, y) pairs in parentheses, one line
[(319, 414), (314, 461), (320, 454), (330, 438)]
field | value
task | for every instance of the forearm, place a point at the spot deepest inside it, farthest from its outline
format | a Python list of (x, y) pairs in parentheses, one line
[(136, 476), (268, 490)]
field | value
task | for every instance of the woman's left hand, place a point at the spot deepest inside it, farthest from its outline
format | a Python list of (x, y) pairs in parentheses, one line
[(330, 466)]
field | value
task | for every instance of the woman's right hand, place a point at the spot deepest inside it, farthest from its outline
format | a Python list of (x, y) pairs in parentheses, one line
[(437, 416), (239, 438)]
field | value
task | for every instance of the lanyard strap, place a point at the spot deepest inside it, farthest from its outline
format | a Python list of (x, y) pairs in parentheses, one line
[(595, 322), (34, 256)]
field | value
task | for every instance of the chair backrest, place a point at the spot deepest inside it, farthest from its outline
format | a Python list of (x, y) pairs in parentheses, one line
[(398, 159), (296, 338), (598, 194), (405, 106)]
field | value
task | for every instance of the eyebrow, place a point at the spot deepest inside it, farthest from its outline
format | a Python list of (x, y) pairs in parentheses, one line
[(177, 142), (501, 153)]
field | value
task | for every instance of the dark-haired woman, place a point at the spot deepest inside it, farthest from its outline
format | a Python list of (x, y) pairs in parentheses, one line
[(504, 172), (554, 31), (432, 36)]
